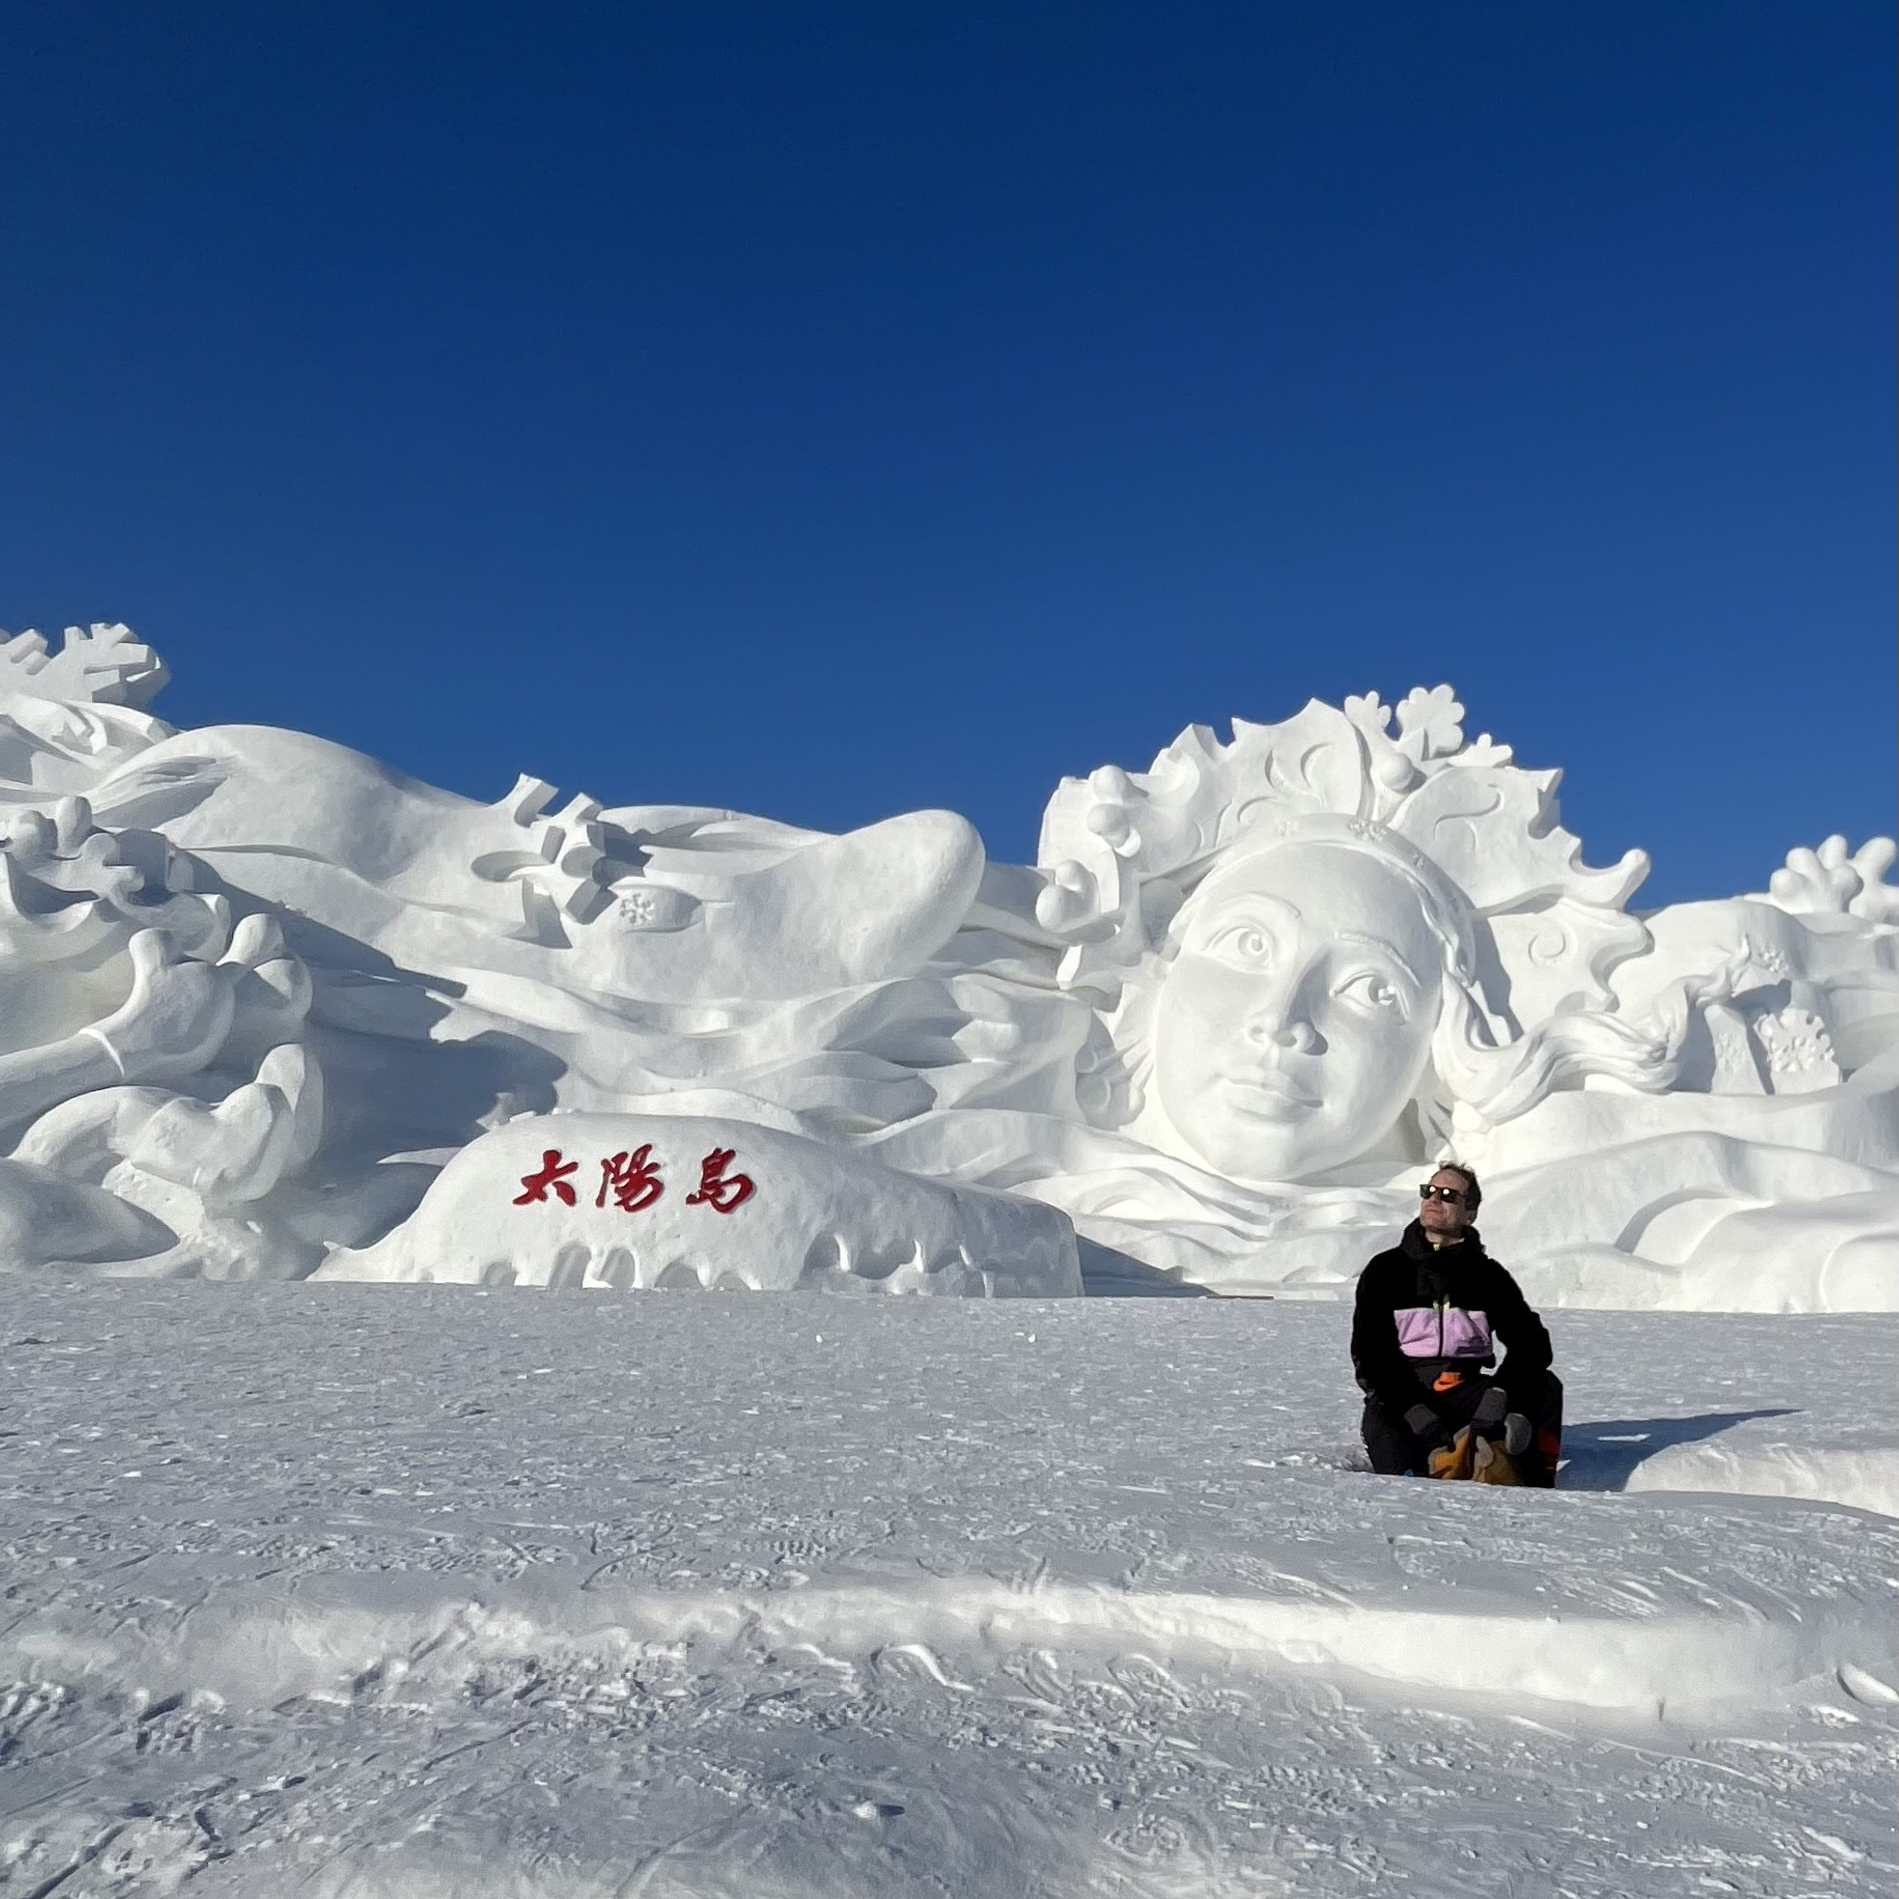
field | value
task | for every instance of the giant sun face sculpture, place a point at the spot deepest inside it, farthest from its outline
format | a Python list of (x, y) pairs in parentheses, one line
[(1295, 1019), (1322, 941)]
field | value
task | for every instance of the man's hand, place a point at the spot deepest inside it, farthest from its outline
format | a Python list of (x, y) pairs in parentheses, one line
[(1491, 1407), (1423, 1422)]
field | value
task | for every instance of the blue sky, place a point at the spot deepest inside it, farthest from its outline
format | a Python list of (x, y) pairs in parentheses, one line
[(829, 410)]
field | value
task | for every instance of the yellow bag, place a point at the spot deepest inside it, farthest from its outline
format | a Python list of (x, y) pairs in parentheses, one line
[(1478, 1460), (1492, 1464), (1456, 1459)]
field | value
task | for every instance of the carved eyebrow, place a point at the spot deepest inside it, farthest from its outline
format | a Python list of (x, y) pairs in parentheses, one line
[(1384, 949), (1272, 909)]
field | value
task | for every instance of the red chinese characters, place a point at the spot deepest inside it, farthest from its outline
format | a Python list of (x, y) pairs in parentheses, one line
[(553, 1174), (633, 1179), (721, 1192)]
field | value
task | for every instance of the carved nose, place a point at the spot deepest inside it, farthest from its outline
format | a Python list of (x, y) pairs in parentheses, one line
[(1291, 1032)]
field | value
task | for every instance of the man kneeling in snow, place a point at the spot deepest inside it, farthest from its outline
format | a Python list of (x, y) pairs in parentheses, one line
[(1430, 1315)]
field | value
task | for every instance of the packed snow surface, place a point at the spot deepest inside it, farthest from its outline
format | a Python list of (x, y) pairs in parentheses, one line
[(429, 1591)]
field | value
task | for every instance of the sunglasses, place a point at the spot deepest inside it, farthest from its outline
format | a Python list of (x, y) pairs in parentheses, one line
[(1455, 1195)]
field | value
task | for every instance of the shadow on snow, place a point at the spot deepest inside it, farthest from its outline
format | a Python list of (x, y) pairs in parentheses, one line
[(1604, 1455)]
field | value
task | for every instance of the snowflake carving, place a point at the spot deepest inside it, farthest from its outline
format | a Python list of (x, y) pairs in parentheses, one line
[(559, 869), (105, 664), (1799, 1050), (1765, 958)]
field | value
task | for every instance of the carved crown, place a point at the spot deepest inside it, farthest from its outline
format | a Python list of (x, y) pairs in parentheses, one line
[(1122, 850)]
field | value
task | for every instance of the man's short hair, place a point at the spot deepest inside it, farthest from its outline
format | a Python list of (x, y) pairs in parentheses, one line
[(1473, 1193)]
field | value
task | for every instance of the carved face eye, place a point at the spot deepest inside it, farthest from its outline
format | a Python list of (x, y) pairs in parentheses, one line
[(1243, 945), (1369, 990)]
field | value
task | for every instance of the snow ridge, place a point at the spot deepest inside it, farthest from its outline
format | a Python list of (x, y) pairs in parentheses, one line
[(256, 1652)]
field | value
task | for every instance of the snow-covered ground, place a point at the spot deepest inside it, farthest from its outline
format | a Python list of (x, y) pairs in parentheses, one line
[(341, 1590)]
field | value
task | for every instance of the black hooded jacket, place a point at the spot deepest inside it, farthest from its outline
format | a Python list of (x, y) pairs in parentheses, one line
[(1415, 1277)]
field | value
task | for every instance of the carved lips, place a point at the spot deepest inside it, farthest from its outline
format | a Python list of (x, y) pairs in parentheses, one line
[(1268, 1091)]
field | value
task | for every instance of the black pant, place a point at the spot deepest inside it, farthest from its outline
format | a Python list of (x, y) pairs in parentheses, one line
[(1397, 1451)]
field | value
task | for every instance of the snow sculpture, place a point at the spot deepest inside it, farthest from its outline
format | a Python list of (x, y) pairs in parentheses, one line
[(1306, 933), (264, 991), (1330, 952), (625, 1201), (151, 1047)]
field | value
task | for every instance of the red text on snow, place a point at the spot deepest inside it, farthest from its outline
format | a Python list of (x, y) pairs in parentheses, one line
[(633, 1181)]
